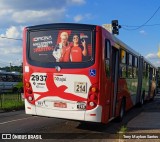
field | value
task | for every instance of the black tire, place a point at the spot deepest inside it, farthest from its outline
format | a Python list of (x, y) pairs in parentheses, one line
[(122, 110), (154, 94), (142, 100)]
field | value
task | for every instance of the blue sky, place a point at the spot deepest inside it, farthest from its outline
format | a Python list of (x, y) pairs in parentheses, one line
[(16, 14)]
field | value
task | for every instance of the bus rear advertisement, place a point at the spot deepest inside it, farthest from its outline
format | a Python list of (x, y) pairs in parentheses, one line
[(82, 72)]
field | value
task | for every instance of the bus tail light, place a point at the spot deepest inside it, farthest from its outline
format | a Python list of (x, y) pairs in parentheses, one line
[(92, 98), (30, 98), (29, 93), (27, 85)]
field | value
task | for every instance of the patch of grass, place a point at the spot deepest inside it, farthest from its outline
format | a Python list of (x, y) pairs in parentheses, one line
[(8, 106), (123, 129), (10, 102)]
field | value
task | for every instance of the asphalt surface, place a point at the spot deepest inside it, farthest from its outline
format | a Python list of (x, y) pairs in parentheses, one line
[(137, 120), (149, 118)]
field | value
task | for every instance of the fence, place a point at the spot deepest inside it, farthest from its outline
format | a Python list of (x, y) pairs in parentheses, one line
[(11, 101)]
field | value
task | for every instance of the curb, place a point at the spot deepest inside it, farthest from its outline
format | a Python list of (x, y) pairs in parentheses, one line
[(1, 111)]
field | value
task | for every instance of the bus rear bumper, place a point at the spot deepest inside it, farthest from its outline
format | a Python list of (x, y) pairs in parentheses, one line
[(93, 115), (29, 108)]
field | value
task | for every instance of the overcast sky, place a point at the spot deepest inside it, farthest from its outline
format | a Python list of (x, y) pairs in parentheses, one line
[(16, 14)]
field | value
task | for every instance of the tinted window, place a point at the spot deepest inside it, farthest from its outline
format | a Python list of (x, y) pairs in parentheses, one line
[(107, 56), (130, 59), (123, 56), (136, 62), (60, 46)]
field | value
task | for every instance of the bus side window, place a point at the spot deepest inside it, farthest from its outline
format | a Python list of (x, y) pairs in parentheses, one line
[(135, 67), (107, 56), (154, 74), (123, 56), (147, 70), (123, 69), (129, 61)]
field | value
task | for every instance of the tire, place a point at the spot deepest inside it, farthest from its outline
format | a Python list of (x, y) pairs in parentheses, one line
[(142, 99), (122, 110), (154, 94)]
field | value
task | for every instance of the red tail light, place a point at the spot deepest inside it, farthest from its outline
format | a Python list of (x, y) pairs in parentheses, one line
[(27, 85), (29, 93), (92, 97)]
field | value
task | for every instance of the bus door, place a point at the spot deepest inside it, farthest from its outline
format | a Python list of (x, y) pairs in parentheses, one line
[(114, 80)]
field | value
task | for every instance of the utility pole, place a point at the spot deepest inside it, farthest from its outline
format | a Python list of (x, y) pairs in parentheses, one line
[(10, 66)]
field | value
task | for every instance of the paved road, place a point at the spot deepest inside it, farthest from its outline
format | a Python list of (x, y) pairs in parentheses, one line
[(144, 118), (149, 118)]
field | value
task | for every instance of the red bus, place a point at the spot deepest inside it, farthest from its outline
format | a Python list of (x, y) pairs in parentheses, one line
[(82, 72)]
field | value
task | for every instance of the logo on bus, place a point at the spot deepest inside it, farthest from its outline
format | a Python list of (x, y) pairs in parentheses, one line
[(42, 38), (61, 79), (92, 72)]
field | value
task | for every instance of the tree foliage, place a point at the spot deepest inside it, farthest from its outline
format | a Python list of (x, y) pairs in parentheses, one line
[(12, 68)]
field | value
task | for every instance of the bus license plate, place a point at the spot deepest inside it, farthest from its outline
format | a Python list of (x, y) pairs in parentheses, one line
[(80, 87), (60, 105)]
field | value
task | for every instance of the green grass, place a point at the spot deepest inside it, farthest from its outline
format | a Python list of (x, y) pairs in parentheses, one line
[(123, 129), (10, 102)]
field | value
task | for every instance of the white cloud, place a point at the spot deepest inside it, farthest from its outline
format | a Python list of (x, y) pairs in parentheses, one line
[(35, 12), (4, 12), (28, 15), (151, 56), (32, 16), (11, 50), (13, 32), (157, 63), (143, 32), (78, 18), (79, 2)]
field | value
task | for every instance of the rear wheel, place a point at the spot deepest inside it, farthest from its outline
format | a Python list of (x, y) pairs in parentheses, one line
[(122, 110), (154, 94), (142, 99)]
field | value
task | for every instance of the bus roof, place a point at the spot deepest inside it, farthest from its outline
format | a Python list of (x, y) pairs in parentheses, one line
[(147, 61), (62, 25)]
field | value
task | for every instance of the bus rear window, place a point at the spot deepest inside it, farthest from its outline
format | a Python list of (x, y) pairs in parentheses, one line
[(60, 46)]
